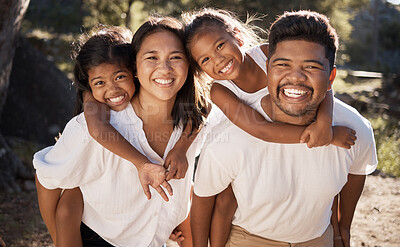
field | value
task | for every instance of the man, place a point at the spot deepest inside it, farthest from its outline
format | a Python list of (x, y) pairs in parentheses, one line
[(285, 191)]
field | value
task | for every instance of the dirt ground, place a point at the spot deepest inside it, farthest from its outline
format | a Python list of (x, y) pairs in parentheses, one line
[(376, 221)]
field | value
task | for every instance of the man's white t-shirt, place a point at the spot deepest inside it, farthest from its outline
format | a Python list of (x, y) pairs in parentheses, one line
[(115, 205), (284, 191)]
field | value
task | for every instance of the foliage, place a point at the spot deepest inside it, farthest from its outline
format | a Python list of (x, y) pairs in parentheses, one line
[(387, 137)]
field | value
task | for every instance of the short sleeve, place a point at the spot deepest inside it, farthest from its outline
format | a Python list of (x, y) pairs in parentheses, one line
[(215, 170), (366, 158), (74, 160)]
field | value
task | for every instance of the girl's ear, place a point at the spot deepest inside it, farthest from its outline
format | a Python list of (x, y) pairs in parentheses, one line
[(238, 36)]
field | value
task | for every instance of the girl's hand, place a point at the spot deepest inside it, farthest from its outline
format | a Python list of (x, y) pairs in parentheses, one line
[(177, 237), (343, 137), (154, 175), (177, 164), (317, 134)]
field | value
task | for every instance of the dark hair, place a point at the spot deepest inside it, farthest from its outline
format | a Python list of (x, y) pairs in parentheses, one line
[(304, 25), (190, 102), (102, 44), (201, 20)]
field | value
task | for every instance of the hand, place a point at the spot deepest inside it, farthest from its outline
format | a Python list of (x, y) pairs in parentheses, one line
[(343, 137), (177, 164), (345, 233), (317, 134), (154, 175), (177, 237)]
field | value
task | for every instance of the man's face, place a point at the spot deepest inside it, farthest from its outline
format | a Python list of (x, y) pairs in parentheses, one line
[(298, 77)]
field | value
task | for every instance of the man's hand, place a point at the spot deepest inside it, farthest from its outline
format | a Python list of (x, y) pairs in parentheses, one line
[(154, 175), (177, 164)]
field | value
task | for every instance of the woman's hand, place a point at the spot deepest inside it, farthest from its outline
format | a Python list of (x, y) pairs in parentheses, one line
[(155, 176)]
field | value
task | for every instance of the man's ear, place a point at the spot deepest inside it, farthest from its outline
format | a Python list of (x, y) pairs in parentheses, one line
[(332, 77)]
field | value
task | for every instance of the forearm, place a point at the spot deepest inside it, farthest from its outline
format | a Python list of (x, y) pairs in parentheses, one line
[(224, 209), (252, 121), (348, 199), (201, 213), (325, 110), (97, 118)]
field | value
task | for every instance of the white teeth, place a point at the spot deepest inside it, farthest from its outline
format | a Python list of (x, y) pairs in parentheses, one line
[(117, 99), (163, 81), (227, 67), (294, 93)]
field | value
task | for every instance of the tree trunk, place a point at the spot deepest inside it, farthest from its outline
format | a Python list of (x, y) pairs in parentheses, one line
[(11, 14)]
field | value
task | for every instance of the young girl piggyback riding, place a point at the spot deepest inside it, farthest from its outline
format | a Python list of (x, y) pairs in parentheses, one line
[(231, 53)]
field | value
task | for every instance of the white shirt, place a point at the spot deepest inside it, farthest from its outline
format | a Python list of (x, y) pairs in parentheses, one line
[(249, 98), (115, 206), (284, 191)]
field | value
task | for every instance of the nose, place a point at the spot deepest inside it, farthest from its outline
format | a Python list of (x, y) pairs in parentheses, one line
[(219, 58), (165, 65), (296, 75), (113, 85)]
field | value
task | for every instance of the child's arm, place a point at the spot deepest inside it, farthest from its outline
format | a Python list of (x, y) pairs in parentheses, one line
[(176, 160), (256, 125), (97, 118), (321, 132), (252, 121)]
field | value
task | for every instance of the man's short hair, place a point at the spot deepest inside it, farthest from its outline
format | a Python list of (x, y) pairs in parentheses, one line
[(304, 25)]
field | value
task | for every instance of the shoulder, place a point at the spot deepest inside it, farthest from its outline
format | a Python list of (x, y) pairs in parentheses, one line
[(346, 115)]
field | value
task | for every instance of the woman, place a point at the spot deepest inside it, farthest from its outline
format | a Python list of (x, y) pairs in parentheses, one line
[(166, 99)]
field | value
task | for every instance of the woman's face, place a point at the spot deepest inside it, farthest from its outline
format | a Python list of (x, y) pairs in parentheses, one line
[(162, 66)]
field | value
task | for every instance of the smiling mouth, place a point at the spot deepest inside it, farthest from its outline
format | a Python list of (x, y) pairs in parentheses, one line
[(164, 82), (294, 93), (117, 100), (227, 67)]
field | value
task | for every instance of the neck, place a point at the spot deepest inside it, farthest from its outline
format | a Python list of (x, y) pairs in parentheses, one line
[(251, 77), (277, 115), (153, 111)]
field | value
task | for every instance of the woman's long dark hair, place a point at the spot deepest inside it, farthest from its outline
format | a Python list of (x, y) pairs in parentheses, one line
[(190, 102), (103, 44)]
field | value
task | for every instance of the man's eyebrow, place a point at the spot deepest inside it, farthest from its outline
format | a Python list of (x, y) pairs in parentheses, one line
[(280, 59)]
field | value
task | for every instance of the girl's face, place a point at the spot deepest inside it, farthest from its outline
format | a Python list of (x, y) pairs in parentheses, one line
[(112, 85), (162, 66), (217, 53)]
